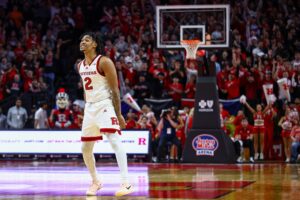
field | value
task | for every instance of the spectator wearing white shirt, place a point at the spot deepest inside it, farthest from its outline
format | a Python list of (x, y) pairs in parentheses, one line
[(41, 117)]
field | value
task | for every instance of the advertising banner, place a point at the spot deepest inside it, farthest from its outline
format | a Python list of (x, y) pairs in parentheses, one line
[(67, 142)]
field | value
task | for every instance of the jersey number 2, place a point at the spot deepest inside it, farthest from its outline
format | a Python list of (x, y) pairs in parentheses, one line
[(87, 83)]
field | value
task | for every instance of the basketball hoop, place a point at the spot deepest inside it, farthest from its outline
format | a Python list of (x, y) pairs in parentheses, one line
[(191, 47)]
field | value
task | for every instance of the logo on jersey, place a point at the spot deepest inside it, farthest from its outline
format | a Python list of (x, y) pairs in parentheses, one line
[(114, 121), (88, 73), (205, 145), (206, 105)]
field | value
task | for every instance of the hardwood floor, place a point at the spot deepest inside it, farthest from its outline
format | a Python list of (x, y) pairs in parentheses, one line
[(69, 180)]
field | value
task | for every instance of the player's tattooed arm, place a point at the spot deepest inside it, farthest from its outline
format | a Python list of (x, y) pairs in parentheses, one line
[(108, 67)]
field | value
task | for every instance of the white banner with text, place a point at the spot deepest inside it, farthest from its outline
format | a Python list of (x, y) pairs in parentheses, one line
[(67, 142)]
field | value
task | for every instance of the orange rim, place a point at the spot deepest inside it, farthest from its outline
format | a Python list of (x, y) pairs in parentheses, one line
[(189, 42)]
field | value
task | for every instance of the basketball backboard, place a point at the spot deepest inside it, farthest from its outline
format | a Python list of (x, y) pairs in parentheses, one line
[(207, 23)]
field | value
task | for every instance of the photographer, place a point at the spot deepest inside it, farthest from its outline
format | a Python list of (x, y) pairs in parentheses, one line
[(167, 130)]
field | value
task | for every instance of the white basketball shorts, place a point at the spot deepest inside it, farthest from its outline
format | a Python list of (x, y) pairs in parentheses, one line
[(99, 118)]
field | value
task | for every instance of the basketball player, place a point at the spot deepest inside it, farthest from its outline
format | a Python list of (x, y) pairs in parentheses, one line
[(102, 114)]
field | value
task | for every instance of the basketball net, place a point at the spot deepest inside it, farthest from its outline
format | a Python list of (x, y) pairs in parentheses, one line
[(191, 47)]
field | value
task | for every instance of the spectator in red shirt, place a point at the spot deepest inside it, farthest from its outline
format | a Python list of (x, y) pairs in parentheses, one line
[(142, 123), (19, 52), (190, 88), (251, 86), (239, 117), (130, 121), (32, 41), (16, 16), (28, 81), (2, 91), (232, 87), (77, 115), (221, 80), (244, 138), (130, 73), (11, 72), (225, 114), (175, 91)]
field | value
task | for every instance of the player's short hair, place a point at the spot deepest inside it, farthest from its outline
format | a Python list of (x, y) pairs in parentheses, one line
[(96, 38)]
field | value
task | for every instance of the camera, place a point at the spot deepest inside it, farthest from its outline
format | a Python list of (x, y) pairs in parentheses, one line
[(165, 112)]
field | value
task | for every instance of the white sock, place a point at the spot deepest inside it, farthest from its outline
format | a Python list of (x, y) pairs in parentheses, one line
[(121, 156), (89, 159)]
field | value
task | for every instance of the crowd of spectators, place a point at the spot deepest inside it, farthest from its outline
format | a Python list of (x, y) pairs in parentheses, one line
[(39, 49)]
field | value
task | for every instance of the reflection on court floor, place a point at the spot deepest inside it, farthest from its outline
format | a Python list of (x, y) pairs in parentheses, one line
[(69, 180)]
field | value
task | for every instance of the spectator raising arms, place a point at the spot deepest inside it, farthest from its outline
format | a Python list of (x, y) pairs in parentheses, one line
[(259, 128)]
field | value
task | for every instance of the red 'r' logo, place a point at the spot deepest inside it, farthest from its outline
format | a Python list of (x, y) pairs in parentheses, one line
[(114, 121)]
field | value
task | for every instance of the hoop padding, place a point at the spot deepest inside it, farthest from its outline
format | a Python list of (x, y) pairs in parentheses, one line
[(191, 47)]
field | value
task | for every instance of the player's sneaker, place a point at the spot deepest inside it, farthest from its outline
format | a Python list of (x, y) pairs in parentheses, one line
[(124, 190), (240, 159), (256, 156), (261, 156), (93, 189), (251, 160)]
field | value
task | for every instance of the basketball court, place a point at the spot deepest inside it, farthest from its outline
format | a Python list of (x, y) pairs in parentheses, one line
[(68, 180)]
